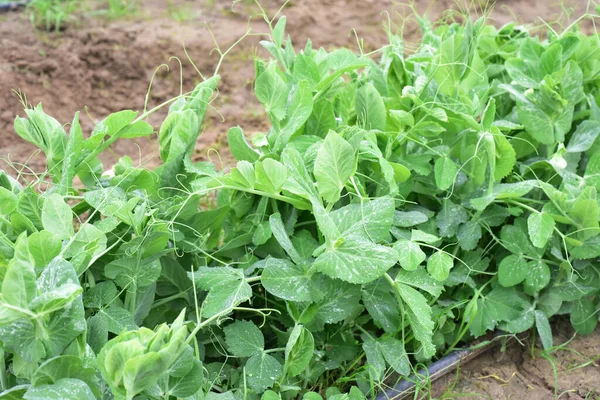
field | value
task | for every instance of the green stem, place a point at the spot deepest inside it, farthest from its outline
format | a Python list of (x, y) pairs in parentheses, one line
[(253, 279), (180, 295), (130, 300), (275, 350), (3, 379)]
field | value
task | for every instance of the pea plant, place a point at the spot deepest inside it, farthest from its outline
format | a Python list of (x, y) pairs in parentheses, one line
[(398, 207)]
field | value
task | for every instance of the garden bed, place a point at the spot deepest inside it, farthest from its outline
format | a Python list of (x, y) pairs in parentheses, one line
[(107, 66)]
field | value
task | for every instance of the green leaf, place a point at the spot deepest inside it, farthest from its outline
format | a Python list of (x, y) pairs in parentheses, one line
[(117, 319), (20, 338), (244, 339), (8, 201), (177, 135), (240, 149), (586, 212), (226, 287), (541, 228), (370, 109), (421, 280), (272, 92), (375, 360), (439, 265), (297, 113), (395, 355), (366, 221), (515, 240), (489, 114), (543, 329), (381, 305), (334, 165), (243, 175), (410, 254), (538, 275), (305, 68), (60, 390), (356, 261), (279, 31), (133, 273), (449, 218), (262, 371), (583, 316), (189, 384), (512, 270), (270, 175), (405, 219), (341, 301), (57, 217), (298, 351), (468, 235), (501, 304), (140, 373), (43, 247), (100, 295), (419, 317), (322, 119), (584, 136), (417, 235), (281, 235), (270, 395), (19, 286), (445, 172), (62, 367), (262, 233), (286, 280)]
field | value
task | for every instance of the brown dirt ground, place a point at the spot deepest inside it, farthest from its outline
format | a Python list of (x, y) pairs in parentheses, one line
[(98, 67)]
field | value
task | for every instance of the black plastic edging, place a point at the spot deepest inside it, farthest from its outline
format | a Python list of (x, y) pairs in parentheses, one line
[(13, 5), (435, 371)]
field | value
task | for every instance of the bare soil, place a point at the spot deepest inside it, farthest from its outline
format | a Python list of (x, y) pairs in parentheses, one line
[(98, 66)]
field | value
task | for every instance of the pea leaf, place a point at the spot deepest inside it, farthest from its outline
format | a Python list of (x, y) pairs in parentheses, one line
[(370, 108), (584, 136), (381, 305), (286, 280), (439, 265), (272, 92), (244, 339), (334, 165), (57, 217), (262, 371), (512, 270), (501, 304), (370, 220), (395, 355), (445, 172), (410, 254), (541, 228), (240, 149), (468, 235), (419, 317), (543, 329), (226, 288), (356, 261), (583, 316), (298, 351), (61, 389), (538, 275)]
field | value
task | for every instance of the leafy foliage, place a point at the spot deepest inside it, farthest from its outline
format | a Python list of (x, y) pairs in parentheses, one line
[(393, 209)]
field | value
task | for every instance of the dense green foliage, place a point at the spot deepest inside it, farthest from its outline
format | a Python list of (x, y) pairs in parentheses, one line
[(394, 210)]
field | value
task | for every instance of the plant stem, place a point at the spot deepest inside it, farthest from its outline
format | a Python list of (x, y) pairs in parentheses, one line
[(3, 379)]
